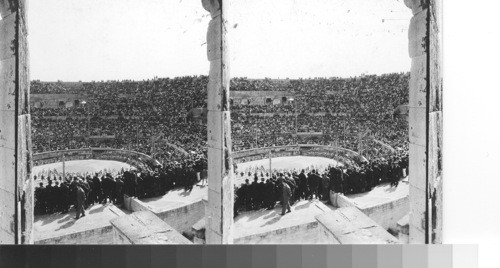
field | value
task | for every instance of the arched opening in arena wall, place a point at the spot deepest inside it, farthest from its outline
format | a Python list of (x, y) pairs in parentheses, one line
[(425, 116)]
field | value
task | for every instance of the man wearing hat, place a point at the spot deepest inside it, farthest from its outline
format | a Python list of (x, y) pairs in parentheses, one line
[(80, 201), (285, 197)]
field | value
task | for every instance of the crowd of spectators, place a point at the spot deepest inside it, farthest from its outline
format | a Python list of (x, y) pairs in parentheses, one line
[(124, 115), (150, 117), (265, 190), (57, 194), (345, 111)]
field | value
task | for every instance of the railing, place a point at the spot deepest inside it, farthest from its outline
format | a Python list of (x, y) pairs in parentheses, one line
[(133, 158), (296, 150)]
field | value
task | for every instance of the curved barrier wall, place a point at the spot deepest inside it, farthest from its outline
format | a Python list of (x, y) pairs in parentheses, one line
[(141, 160), (296, 150), (136, 159)]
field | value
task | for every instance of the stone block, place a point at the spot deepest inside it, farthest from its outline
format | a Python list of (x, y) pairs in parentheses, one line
[(435, 145), (214, 225), (418, 82), (7, 32), (418, 207), (215, 129), (7, 84), (349, 225), (417, 34), (6, 237), (417, 235), (144, 227), (7, 219), (8, 170), (417, 125), (214, 213), (435, 71), (226, 120), (403, 225), (215, 169), (7, 7), (436, 7), (437, 205), (23, 18), (29, 206), (214, 87), (417, 166), (213, 238), (227, 209), (23, 135), (7, 129), (214, 39), (24, 82), (215, 204)]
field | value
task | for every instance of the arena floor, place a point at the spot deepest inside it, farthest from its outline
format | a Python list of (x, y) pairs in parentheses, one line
[(278, 164), (83, 166), (296, 163), (289, 162)]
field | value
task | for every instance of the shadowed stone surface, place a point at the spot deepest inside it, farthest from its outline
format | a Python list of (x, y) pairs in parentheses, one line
[(351, 226), (94, 228), (270, 227), (144, 227)]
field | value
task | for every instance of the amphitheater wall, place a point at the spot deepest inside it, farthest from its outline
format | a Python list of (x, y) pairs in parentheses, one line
[(260, 97), (131, 157), (293, 150), (97, 236), (55, 100)]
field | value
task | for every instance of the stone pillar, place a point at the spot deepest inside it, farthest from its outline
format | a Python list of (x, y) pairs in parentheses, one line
[(435, 141), (425, 120), (16, 189), (220, 175)]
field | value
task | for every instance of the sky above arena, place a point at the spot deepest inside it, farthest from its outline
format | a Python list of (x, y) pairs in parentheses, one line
[(77, 40)]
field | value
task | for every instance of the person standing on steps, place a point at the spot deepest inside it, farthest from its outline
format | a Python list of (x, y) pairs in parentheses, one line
[(285, 197), (80, 202)]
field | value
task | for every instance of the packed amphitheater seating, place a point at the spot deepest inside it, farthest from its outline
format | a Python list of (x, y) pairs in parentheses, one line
[(150, 117)]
